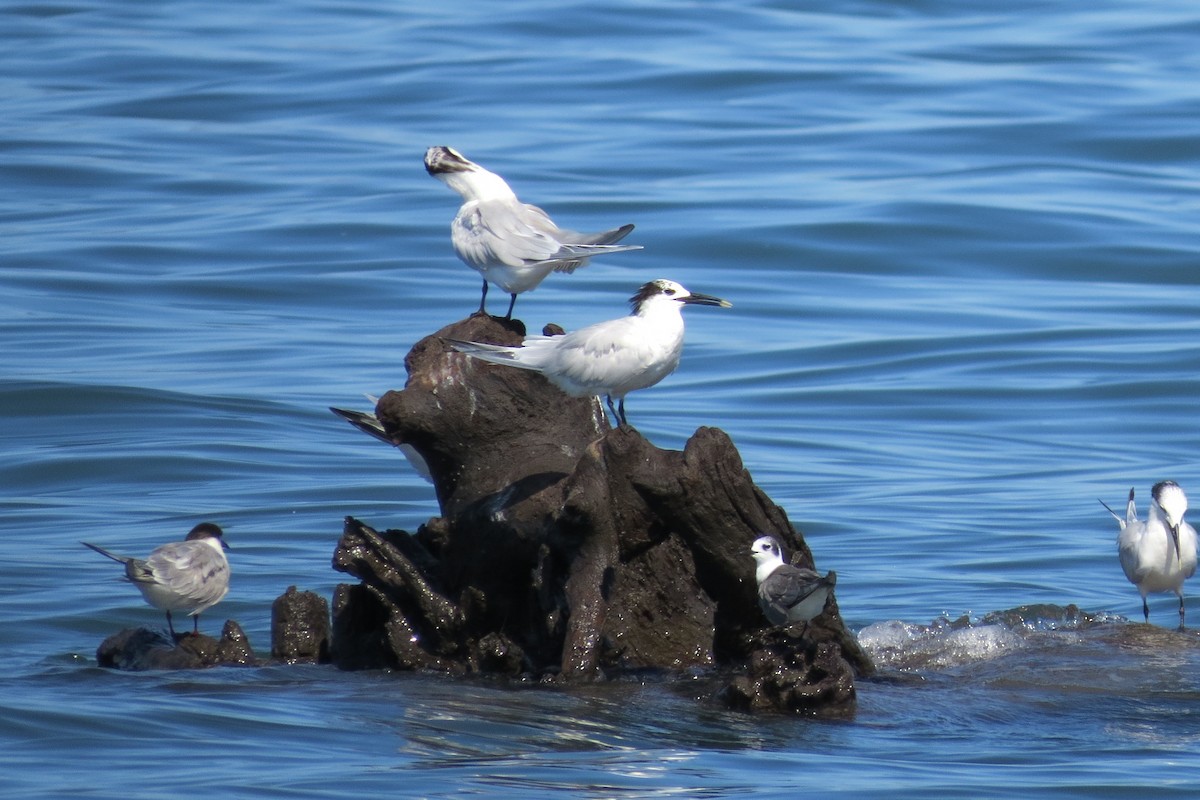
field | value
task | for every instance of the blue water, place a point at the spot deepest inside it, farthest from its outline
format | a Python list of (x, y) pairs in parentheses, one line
[(961, 243)]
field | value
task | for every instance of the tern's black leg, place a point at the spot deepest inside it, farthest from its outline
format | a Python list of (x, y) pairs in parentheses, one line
[(483, 299), (621, 409), (1146, 609), (1180, 612), (170, 627), (613, 408), (511, 305), (196, 625)]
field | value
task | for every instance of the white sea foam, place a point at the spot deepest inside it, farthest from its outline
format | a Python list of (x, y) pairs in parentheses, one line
[(903, 645)]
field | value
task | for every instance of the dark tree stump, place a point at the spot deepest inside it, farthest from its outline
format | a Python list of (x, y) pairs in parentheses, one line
[(569, 549)]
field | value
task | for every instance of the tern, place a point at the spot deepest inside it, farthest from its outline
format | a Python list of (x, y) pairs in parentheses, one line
[(610, 358), (368, 423), (511, 244), (1157, 555), (787, 594), (191, 576)]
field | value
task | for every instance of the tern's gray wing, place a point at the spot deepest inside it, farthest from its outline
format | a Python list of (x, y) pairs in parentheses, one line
[(518, 234), (611, 357), (786, 587), (604, 237), (495, 231), (1128, 541), (533, 354), (106, 554), (192, 570), (590, 244)]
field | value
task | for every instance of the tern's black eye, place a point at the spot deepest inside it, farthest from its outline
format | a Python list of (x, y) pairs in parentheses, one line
[(669, 292)]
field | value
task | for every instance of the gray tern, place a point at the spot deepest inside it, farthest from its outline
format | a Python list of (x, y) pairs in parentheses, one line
[(787, 594), (610, 358), (191, 576), (1157, 555), (511, 244)]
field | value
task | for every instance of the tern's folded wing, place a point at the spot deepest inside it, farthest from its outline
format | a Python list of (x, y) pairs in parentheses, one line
[(497, 232), (191, 569), (789, 585)]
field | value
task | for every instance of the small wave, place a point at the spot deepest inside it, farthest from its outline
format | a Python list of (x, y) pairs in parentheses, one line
[(907, 646), (947, 643)]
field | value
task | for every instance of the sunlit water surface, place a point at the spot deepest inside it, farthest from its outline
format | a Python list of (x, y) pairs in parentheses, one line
[(961, 244)]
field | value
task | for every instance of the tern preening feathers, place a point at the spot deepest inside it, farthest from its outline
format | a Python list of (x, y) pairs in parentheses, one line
[(191, 576), (610, 358), (1157, 555), (511, 244), (786, 593)]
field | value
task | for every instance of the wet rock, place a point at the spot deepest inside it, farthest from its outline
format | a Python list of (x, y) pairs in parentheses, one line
[(300, 627), (793, 675), (138, 649), (569, 549), (359, 623), (299, 633), (233, 648)]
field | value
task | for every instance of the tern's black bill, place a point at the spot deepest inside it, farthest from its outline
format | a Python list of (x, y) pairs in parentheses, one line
[(706, 300)]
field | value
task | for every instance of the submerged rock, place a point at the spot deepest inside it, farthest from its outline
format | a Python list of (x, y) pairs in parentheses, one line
[(568, 549)]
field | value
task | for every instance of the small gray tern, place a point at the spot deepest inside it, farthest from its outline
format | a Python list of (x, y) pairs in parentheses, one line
[(511, 244), (787, 594), (1157, 555), (191, 576), (610, 358)]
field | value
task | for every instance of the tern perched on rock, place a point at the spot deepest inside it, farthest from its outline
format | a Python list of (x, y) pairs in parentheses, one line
[(511, 244), (610, 358), (787, 594), (1157, 555), (191, 576)]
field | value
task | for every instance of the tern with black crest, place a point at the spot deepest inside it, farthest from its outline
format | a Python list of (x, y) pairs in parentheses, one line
[(512, 244), (1157, 555), (612, 358), (190, 576)]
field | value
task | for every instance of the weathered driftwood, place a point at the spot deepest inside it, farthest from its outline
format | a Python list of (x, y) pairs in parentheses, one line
[(571, 550)]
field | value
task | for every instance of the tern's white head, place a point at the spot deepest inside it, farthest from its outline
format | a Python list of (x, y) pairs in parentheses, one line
[(767, 556), (662, 292), (464, 176), (1171, 500)]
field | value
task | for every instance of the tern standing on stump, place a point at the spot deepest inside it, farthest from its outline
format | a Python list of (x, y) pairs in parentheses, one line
[(191, 576), (1157, 555), (788, 594), (610, 358), (511, 244)]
